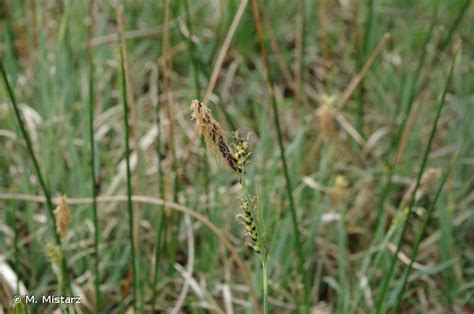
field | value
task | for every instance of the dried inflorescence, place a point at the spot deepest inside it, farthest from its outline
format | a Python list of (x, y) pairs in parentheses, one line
[(63, 216), (236, 159), (213, 134), (327, 124), (428, 179)]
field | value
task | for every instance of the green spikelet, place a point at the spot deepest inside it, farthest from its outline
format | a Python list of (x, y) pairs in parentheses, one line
[(249, 224), (53, 253), (241, 155)]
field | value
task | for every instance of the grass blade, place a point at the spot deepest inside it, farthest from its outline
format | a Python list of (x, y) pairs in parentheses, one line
[(388, 277), (269, 83), (129, 181), (419, 237), (452, 28), (161, 227), (47, 194), (380, 215), (95, 217), (361, 55)]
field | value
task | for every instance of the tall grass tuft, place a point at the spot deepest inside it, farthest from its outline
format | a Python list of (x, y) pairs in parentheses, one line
[(289, 189), (380, 216), (388, 277), (29, 145), (420, 234)]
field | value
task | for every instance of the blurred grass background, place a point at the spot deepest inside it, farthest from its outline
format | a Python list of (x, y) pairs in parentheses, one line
[(316, 48)]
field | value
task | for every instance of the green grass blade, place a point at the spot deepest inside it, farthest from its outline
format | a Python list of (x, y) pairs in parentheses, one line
[(47, 194), (95, 216), (361, 57), (129, 182), (419, 237), (452, 28), (388, 277), (161, 226), (289, 189), (380, 214)]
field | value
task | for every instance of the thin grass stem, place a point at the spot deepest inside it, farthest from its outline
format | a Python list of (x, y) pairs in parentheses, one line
[(161, 227), (419, 237), (129, 182), (452, 28), (264, 283), (388, 277), (192, 50), (380, 213), (294, 217), (342, 263), (95, 216), (42, 182), (360, 60)]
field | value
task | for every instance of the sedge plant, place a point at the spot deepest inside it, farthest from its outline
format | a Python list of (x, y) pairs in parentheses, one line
[(236, 158)]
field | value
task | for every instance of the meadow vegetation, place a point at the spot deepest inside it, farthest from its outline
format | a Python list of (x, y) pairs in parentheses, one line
[(237, 156)]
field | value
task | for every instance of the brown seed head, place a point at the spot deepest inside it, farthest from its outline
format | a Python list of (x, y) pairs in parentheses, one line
[(63, 216), (213, 134), (326, 121)]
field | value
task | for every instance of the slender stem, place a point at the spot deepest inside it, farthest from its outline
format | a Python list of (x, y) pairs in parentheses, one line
[(420, 235), (16, 265), (129, 180), (192, 50), (29, 146), (158, 249), (42, 182), (406, 114), (362, 54), (368, 27), (95, 216), (388, 277), (261, 241), (452, 28), (299, 49), (197, 85), (161, 228), (342, 261), (264, 283), (173, 221), (269, 82)]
